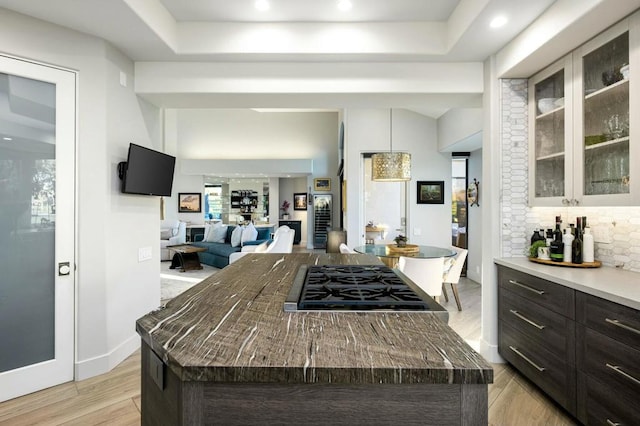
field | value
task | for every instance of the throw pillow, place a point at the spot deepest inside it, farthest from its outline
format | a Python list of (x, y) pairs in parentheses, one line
[(207, 228), (250, 233), (165, 234), (236, 236), (217, 233)]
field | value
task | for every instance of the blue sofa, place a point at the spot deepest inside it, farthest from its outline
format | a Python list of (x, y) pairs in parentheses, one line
[(217, 254)]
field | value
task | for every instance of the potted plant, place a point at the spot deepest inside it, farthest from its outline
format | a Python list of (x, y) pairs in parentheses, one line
[(285, 209), (401, 240)]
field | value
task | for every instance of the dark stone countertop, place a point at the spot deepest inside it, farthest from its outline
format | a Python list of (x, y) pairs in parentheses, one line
[(232, 328)]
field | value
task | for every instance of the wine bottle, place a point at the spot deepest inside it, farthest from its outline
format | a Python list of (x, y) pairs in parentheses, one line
[(556, 247), (576, 245)]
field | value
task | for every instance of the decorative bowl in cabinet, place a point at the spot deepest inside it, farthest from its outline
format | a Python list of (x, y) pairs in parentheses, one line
[(625, 72), (546, 104)]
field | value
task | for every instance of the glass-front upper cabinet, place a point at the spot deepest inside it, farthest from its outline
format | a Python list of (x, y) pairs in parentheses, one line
[(604, 144), (550, 153), (583, 124)]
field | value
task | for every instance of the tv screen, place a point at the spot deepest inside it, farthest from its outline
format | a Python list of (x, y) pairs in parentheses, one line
[(147, 172)]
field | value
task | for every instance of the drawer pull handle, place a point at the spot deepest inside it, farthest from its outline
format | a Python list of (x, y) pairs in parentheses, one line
[(523, 356), (621, 325), (527, 320), (612, 423), (526, 287), (623, 374)]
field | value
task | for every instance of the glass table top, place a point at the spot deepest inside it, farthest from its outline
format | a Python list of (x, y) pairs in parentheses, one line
[(381, 250)]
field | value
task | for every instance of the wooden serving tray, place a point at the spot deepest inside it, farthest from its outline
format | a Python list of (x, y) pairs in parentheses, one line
[(409, 248), (595, 264)]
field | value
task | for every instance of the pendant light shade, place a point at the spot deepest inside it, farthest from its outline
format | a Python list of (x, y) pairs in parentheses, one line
[(391, 166)]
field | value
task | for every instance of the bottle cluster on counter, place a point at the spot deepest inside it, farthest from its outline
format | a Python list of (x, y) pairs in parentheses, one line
[(572, 244)]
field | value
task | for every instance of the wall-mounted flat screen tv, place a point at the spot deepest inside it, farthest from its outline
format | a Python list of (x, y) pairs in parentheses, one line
[(147, 172)]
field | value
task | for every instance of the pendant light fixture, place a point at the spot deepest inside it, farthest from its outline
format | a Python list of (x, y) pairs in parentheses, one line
[(391, 166)]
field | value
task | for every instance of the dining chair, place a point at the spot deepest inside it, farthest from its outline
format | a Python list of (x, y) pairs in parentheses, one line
[(452, 276), (426, 273), (345, 249)]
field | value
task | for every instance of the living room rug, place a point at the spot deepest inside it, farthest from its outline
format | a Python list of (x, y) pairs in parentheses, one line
[(173, 282)]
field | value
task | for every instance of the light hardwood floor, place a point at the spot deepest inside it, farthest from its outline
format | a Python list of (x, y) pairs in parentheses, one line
[(114, 398)]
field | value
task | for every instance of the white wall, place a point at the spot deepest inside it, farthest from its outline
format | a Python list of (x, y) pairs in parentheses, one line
[(456, 125), (367, 130), (112, 288)]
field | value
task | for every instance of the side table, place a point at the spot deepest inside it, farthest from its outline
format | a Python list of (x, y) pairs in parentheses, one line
[(186, 257)]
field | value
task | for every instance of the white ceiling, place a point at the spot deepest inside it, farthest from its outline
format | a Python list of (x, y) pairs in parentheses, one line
[(303, 31)]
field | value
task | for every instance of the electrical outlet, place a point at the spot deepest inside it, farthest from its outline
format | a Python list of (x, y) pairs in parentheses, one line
[(123, 79), (144, 253)]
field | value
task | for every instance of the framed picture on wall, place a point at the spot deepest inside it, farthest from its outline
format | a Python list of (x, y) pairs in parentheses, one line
[(430, 192), (189, 202), (322, 184), (300, 201)]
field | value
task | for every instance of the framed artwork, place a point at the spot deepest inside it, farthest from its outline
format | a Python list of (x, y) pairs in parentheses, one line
[(322, 184), (430, 192), (300, 201), (189, 202)]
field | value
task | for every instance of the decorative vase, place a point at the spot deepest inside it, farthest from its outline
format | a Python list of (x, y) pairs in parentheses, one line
[(401, 243), (285, 216)]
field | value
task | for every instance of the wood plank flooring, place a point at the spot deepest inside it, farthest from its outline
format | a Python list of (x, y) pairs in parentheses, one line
[(114, 398)]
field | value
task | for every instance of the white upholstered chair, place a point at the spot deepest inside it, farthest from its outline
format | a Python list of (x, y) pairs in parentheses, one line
[(345, 249), (172, 232), (426, 273), (282, 243), (452, 276)]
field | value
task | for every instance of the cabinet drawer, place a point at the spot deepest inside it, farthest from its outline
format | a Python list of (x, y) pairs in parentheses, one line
[(550, 373), (552, 296), (601, 404), (611, 319), (610, 362), (546, 328)]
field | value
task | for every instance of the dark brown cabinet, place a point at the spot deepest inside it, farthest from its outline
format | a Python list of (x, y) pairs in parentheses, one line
[(582, 350), (608, 361), (536, 333)]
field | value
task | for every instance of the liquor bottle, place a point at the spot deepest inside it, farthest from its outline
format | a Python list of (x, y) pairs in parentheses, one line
[(576, 245), (588, 248), (549, 237), (536, 236), (567, 239), (556, 247)]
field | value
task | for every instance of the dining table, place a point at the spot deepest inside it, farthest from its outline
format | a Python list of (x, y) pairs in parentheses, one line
[(390, 253)]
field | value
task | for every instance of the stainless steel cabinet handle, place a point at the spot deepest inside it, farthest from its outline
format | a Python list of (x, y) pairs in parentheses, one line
[(527, 320), (526, 287), (523, 356), (621, 325), (622, 373), (612, 423)]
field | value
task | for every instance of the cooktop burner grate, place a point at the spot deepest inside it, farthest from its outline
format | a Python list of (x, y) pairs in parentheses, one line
[(355, 287)]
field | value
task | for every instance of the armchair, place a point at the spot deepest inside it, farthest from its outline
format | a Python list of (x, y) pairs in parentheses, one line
[(172, 232), (282, 243)]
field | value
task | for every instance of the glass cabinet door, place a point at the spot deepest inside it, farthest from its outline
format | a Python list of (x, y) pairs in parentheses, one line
[(550, 152), (605, 118)]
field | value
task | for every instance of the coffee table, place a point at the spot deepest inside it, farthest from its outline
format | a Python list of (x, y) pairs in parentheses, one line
[(186, 257)]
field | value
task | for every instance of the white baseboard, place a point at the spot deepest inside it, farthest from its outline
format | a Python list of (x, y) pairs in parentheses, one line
[(104, 363), (490, 352)]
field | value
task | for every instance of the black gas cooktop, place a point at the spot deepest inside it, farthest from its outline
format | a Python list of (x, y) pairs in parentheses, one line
[(355, 288)]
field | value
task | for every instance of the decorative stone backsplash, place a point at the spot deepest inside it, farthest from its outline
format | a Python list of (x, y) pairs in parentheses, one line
[(616, 229)]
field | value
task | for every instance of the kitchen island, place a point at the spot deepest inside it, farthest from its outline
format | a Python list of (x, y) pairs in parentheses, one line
[(225, 352)]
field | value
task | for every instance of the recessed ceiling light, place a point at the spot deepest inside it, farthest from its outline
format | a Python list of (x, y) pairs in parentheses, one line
[(498, 21), (344, 5), (7, 138), (261, 5)]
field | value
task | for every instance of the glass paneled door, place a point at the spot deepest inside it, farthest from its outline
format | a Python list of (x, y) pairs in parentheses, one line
[(37, 145)]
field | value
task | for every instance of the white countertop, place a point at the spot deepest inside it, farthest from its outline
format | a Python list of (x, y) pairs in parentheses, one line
[(616, 285)]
